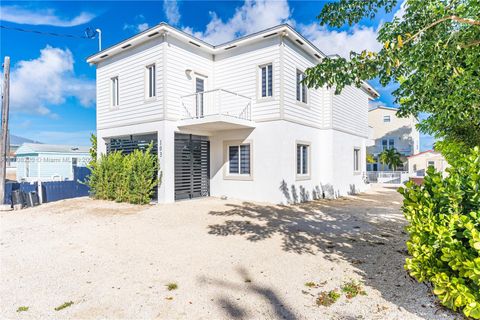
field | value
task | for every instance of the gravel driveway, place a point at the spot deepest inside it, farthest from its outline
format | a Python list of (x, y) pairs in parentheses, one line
[(230, 260)]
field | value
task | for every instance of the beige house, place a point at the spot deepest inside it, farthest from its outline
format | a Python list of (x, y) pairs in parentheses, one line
[(419, 163), (390, 131)]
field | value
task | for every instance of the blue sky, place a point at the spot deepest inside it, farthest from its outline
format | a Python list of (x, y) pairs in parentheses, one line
[(43, 108)]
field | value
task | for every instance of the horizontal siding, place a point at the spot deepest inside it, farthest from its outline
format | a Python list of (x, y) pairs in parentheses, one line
[(317, 111), (237, 70), (130, 67), (350, 111), (179, 58)]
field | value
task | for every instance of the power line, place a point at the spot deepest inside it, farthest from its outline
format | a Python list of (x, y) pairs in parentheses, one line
[(88, 33)]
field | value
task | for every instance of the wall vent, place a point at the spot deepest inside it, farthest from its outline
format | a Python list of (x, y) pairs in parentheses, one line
[(104, 56), (269, 35), (299, 42), (126, 46), (195, 44), (152, 34), (231, 47)]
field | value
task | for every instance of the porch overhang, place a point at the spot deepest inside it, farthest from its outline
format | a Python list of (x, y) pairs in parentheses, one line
[(215, 123)]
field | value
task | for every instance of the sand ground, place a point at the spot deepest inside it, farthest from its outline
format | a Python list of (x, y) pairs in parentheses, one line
[(230, 260)]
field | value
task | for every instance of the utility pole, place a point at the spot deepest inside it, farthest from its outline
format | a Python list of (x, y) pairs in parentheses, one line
[(3, 141)]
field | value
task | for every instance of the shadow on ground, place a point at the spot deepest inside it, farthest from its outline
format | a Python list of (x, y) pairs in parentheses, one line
[(233, 310), (366, 230)]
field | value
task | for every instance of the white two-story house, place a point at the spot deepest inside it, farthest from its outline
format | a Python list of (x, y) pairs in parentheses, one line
[(391, 131), (232, 120)]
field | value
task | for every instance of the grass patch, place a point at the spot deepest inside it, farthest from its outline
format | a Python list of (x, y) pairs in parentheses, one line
[(353, 289), (172, 286), (64, 305), (327, 298), (22, 309), (310, 284)]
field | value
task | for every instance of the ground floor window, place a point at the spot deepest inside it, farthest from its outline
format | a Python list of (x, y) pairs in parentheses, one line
[(356, 159), (303, 154), (239, 159)]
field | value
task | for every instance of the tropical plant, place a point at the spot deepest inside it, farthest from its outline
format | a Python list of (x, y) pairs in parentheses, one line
[(391, 158), (444, 233), (370, 158), (125, 178), (431, 50)]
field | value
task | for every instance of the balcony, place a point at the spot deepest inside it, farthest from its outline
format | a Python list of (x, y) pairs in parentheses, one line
[(216, 110)]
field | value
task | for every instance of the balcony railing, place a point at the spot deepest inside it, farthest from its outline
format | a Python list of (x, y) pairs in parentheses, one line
[(216, 102)]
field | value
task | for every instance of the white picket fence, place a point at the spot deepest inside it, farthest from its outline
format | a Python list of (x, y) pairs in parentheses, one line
[(389, 177)]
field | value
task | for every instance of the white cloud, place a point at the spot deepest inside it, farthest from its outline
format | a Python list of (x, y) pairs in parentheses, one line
[(49, 17), (46, 81), (251, 17), (139, 25), (170, 7), (401, 11), (255, 16), (356, 39)]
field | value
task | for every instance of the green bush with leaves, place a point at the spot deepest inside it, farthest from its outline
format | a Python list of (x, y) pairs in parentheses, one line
[(124, 178), (444, 228)]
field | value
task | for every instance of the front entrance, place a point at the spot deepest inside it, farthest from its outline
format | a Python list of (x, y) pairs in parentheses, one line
[(192, 166)]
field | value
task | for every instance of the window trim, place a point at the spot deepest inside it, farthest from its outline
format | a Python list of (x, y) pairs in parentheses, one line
[(147, 82), (259, 81), (114, 90), (357, 170), (226, 161), (307, 92), (306, 176)]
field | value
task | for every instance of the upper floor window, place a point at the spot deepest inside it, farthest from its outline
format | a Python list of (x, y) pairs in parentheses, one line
[(301, 87), (356, 159), (386, 118), (303, 151), (391, 143), (266, 74), (431, 164), (151, 81), (114, 92)]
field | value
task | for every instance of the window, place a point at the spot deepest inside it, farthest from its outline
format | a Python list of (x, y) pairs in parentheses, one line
[(431, 164), (356, 159), (239, 159), (384, 144), (302, 159), (199, 90), (266, 73), (391, 143), (414, 167), (301, 87), (386, 118), (114, 99), (151, 81)]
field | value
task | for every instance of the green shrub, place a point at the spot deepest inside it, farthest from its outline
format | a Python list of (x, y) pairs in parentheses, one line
[(124, 178), (444, 229)]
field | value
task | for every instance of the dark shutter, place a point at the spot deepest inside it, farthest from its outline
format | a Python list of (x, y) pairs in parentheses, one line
[(192, 166), (270, 80)]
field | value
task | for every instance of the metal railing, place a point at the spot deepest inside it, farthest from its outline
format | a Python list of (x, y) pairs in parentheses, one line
[(391, 177), (216, 102)]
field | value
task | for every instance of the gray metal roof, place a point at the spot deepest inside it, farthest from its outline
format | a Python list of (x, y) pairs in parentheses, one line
[(51, 148)]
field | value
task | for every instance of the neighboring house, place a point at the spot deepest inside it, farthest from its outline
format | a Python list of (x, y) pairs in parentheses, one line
[(48, 162), (419, 163), (14, 142), (232, 120), (390, 131)]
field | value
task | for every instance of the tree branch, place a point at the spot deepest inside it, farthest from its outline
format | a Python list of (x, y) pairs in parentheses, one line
[(433, 24)]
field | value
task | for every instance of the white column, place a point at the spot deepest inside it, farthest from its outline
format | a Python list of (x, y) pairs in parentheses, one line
[(166, 157)]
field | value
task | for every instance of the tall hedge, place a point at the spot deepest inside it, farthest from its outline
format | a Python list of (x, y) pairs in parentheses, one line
[(444, 229), (125, 178)]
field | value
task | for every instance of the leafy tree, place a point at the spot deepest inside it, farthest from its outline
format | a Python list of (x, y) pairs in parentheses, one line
[(432, 52), (391, 158)]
